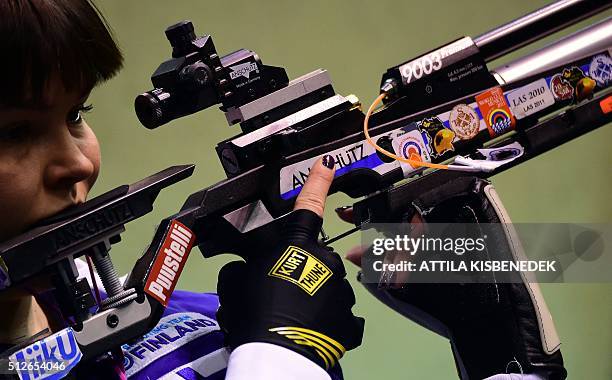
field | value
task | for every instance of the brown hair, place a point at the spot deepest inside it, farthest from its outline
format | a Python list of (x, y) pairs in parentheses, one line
[(42, 38)]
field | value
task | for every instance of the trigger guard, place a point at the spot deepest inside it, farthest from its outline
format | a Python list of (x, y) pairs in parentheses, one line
[(220, 236)]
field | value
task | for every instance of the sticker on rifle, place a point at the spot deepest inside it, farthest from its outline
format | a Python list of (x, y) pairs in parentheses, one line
[(574, 81), (560, 88), (49, 358), (530, 99), (600, 69), (360, 155), (301, 268), (606, 105), (495, 111), (432, 62), (410, 145), (582, 84), (169, 263), (439, 138), (464, 121), (494, 157), (503, 154)]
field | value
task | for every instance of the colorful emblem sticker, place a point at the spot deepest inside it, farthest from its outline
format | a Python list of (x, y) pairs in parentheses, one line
[(600, 69), (439, 138), (464, 121), (572, 84), (560, 88), (49, 358), (411, 145), (495, 111), (583, 85), (530, 99), (572, 75), (584, 88)]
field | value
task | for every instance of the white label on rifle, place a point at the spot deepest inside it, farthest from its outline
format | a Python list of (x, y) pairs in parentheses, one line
[(169, 262), (432, 62), (350, 157), (530, 99)]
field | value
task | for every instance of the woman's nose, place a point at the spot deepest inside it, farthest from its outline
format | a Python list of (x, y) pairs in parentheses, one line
[(68, 163)]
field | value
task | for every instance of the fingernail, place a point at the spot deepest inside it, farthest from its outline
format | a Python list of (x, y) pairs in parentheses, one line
[(328, 161), (340, 209)]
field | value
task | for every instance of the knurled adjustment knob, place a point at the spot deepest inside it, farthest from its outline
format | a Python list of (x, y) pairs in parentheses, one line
[(196, 75), (180, 31), (180, 36)]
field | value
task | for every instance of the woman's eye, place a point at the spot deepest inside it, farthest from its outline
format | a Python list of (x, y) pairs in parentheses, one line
[(76, 115)]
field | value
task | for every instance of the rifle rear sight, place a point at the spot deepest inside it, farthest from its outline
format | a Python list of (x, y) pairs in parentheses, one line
[(196, 78)]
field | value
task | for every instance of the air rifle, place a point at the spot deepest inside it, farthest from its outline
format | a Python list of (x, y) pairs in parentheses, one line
[(440, 107)]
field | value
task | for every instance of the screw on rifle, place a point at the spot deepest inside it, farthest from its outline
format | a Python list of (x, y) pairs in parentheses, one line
[(229, 161), (107, 271), (117, 296), (112, 320)]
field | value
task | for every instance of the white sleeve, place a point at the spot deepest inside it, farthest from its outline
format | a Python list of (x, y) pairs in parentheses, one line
[(264, 361), (514, 376)]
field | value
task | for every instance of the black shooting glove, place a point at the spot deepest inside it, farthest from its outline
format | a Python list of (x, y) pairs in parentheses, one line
[(293, 295), (494, 327)]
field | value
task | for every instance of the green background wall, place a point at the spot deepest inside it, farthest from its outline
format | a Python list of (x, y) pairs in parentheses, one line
[(356, 41)]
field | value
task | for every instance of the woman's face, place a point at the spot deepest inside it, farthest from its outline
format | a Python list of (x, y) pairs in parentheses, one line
[(49, 159)]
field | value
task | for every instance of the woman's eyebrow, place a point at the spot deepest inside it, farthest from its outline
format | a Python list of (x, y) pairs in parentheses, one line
[(28, 106), (40, 105)]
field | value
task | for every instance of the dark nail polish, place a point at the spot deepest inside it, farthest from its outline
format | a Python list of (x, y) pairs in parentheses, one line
[(339, 209), (328, 161)]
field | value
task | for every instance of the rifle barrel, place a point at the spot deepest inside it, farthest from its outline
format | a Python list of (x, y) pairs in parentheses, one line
[(588, 41), (536, 25)]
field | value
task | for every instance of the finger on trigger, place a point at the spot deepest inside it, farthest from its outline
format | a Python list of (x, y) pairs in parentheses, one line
[(314, 192)]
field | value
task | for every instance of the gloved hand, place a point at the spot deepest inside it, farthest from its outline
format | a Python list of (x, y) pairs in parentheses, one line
[(491, 325), (295, 294)]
